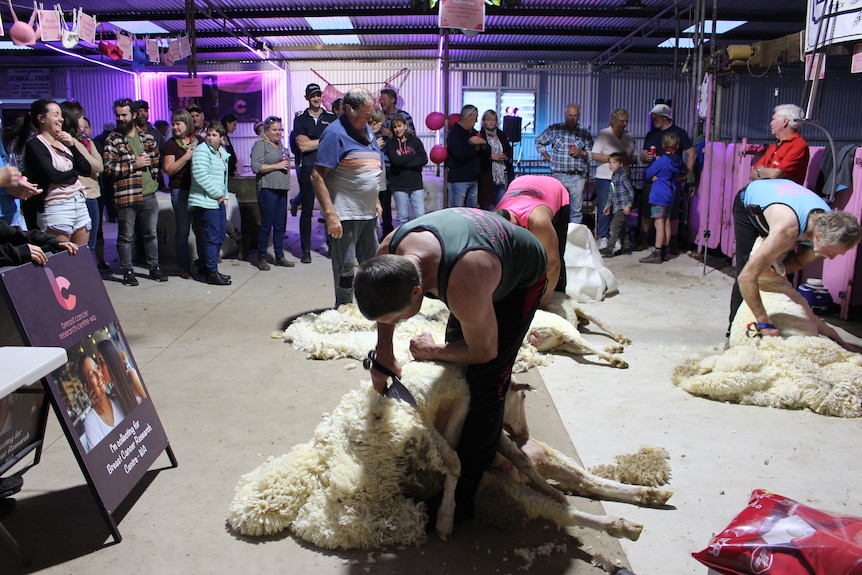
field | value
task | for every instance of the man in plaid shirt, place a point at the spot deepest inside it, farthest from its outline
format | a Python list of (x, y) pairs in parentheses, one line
[(131, 158), (568, 147)]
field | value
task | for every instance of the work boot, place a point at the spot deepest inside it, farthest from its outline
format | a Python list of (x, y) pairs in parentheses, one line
[(284, 262), (641, 246), (158, 274), (262, 265), (664, 257), (216, 279), (607, 252), (306, 256), (653, 258)]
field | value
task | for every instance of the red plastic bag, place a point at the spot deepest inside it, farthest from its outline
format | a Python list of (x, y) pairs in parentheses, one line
[(778, 536)]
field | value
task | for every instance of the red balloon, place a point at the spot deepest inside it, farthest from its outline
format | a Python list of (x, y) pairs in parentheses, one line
[(438, 154), (435, 120), (454, 119)]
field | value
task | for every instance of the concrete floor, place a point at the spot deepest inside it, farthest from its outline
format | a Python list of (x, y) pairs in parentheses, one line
[(229, 395)]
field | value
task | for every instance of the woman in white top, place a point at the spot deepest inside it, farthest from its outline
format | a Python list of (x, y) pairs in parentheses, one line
[(54, 160), (106, 412)]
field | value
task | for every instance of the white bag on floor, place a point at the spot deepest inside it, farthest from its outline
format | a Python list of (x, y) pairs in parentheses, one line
[(587, 277)]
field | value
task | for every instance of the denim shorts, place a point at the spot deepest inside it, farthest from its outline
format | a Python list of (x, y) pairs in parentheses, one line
[(65, 217), (659, 212)]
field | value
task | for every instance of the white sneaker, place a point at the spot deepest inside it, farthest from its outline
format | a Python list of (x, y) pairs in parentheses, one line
[(602, 243), (618, 246)]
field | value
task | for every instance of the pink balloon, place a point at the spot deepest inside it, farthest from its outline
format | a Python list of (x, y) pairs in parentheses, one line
[(438, 154), (435, 120), (454, 119)]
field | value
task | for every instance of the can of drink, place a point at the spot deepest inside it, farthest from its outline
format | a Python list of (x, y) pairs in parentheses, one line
[(653, 150)]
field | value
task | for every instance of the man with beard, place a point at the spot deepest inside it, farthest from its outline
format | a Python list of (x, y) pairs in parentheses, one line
[(132, 161), (142, 121), (568, 147), (307, 128)]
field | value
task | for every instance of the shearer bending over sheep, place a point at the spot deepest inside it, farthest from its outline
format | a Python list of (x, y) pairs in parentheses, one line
[(491, 275), (785, 214), (541, 205)]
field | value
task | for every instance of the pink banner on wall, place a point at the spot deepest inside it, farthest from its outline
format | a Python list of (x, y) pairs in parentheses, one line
[(189, 87)]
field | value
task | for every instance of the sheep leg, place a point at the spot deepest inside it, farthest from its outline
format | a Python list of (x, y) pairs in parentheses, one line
[(534, 505), (602, 325), (446, 511), (573, 478), (508, 449), (579, 347)]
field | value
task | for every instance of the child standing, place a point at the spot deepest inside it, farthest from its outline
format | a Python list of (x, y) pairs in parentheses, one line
[(664, 172), (620, 200)]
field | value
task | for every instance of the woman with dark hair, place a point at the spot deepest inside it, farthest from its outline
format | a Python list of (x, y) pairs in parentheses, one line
[(74, 123), (54, 160), (126, 384), (107, 411), (207, 199), (229, 122), (176, 161), (495, 162)]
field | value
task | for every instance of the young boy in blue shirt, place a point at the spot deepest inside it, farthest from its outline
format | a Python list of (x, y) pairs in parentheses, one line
[(664, 172)]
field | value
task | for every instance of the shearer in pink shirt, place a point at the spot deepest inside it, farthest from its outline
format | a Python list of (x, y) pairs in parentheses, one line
[(541, 205)]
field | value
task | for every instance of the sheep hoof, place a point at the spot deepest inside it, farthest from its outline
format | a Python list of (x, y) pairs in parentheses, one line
[(619, 363), (620, 528), (614, 348), (445, 537), (623, 340)]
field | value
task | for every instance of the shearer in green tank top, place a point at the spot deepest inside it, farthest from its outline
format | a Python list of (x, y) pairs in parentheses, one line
[(491, 275)]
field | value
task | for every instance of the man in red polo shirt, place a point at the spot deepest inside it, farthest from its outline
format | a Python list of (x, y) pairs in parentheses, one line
[(788, 159)]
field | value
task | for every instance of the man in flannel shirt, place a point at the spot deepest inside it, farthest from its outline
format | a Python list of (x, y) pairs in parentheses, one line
[(568, 147)]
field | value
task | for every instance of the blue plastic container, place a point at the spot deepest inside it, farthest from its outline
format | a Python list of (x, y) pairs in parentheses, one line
[(817, 295)]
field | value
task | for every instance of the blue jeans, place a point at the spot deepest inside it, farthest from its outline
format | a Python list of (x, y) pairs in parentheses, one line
[(273, 216), (96, 223), (146, 213), (603, 190), (403, 201), (358, 243), (575, 185), (180, 203), (211, 227), (463, 194)]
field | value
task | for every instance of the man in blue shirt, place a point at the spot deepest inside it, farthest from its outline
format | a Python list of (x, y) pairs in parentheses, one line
[(12, 185), (347, 178), (568, 148)]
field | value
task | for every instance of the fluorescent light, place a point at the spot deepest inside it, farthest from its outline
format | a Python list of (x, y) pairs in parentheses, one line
[(721, 26), (346, 39), (91, 61), (141, 27), (330, 23), (5, 45)]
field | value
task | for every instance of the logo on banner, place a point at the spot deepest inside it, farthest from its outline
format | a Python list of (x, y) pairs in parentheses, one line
[(60, 286)]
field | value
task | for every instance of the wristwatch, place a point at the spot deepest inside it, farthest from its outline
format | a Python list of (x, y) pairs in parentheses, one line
[(757, 169)]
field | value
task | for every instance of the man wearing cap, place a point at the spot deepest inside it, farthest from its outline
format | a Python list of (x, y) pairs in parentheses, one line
[(307, 128), (568, 148), (662, 121), (142, 121), (788, 159), (198, 120)]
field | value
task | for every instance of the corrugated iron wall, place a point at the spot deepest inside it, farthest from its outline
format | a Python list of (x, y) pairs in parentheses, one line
[(746, 101)]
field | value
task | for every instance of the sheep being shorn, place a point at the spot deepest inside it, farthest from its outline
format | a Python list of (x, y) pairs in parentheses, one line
[(809, 367), (360, 481)]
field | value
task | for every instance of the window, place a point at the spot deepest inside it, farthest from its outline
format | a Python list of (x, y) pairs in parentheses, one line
[(506, 103)]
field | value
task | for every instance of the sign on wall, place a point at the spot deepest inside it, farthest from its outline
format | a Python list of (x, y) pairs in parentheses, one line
[(26, 84), (831, 22), (99, 395)]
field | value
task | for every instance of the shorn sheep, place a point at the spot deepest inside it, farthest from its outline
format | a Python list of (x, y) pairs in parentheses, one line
[(335, 334), (362, 479), (802, 369)]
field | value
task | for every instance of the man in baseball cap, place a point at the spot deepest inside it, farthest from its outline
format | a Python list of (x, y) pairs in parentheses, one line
[(662, 110), (312, 89)]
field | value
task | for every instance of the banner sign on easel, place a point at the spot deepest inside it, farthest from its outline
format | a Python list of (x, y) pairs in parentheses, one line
[(99, 394)]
